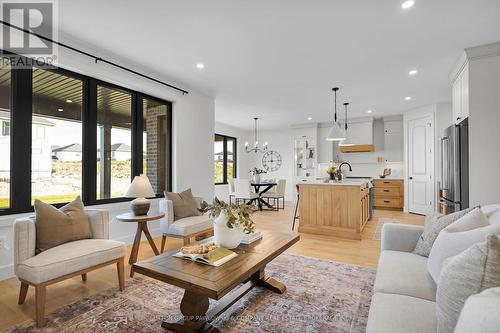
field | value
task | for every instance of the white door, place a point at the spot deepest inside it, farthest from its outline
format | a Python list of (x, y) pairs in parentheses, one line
[(420, 165)]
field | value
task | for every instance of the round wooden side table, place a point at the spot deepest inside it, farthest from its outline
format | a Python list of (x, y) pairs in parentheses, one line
[(142, 226)]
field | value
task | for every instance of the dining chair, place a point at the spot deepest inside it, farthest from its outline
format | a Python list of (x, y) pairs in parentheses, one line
[(230, 187), (277, 195), (243, 191)]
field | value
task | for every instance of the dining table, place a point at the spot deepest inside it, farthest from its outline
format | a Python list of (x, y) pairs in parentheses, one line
[(260, 189)]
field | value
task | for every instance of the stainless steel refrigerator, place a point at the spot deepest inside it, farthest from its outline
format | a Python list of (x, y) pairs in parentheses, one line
[(454, 190)]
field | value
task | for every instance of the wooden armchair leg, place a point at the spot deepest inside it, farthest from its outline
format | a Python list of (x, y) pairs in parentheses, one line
[(163, 241), (22, 292), (84, 277), (40, 304), (120, 268)]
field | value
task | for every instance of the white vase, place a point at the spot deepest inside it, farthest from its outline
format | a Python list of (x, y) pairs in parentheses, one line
[(226, 237), (256, 179)]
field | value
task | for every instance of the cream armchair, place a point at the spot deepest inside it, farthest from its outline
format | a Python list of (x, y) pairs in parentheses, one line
[(63, 261), (185, 228)]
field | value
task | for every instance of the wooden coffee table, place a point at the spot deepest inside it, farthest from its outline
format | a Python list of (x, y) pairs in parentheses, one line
[(226, 283)]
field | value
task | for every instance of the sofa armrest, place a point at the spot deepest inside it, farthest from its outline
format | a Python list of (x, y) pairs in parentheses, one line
[(99, 223), (400, 237), (24, 240), (166, 207)]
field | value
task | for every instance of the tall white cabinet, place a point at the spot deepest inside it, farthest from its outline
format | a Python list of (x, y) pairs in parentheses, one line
[(460, 93), (393, 139)]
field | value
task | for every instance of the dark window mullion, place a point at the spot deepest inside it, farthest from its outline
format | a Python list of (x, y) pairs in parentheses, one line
[(89, 123), (224, 161), (137, 129), (21, 134)]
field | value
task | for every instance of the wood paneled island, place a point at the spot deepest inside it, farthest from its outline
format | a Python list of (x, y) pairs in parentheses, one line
[(335, 209)]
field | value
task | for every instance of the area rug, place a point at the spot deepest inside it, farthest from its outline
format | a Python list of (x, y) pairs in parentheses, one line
[(378, 232), (321, 296)]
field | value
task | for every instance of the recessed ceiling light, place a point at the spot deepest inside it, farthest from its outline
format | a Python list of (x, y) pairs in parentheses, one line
[(69, 101), (200, 65), (407, 4), (309, 118), (413, 72), (369, 111), (407, 98), (60, 110)]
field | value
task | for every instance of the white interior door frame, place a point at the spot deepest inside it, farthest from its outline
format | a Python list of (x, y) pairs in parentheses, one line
[(428, 111)]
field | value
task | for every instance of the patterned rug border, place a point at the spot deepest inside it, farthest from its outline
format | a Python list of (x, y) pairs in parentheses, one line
[(138, 280)]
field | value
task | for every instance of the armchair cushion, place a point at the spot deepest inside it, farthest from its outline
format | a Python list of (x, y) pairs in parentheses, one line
[(184, 204), (189, 225), (68, 258), (58, 226)]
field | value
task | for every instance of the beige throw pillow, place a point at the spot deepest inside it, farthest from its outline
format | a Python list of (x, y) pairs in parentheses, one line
[(468, 273), (434, 223), (58, 226), (184, 204)]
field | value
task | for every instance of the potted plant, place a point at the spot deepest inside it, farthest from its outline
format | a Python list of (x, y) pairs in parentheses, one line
[(256, 172), (231, 222), (332, 171)]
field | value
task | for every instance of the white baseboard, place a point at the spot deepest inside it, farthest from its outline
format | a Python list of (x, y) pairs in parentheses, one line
[(7, 271)]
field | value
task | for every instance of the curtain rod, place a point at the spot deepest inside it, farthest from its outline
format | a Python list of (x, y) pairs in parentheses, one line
[(96, 58)]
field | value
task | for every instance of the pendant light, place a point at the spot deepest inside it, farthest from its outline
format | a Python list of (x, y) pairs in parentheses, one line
[(346, 142), (335, 133), (256, 148)]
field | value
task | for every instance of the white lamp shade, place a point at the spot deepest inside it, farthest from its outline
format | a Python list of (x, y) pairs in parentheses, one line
[(140, 188), (346, 142), (335, 133)]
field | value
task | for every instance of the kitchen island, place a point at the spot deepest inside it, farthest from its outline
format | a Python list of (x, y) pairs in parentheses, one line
[(335, 209)]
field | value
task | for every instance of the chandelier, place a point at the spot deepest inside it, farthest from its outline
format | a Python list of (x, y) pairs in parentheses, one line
[(256, 148)]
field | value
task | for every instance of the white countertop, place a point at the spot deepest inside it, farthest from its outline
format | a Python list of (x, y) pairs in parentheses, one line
[(344, 183)]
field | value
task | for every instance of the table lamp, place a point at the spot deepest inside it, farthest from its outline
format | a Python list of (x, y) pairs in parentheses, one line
[(140, 189)]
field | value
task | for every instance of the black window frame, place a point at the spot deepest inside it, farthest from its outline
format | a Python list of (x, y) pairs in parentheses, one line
[(225, 138), (21, 112)]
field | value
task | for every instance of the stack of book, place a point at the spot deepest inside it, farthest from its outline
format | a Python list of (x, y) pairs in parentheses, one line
[(250, 238)]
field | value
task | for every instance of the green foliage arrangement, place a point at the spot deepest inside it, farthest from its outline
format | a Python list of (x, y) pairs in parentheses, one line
[(236, 215), (332, 171)]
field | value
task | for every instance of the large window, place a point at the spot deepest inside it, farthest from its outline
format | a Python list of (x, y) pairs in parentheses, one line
[(224, 158), (114, 142), (75, 135), (5, 84), (56, 145)]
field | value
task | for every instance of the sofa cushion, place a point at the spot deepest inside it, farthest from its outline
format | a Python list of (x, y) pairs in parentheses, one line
[(58, 226), (457, 237), (404, 273), (190, 225), (468, 273), (69, 258), (480, 313), (397, 313), (434, 223)]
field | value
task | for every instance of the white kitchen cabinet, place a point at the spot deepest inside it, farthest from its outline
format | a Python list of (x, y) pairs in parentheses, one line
[(460, 95), (393, 140)]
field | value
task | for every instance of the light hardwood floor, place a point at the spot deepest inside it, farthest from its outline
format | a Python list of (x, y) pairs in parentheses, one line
[(363, 252)]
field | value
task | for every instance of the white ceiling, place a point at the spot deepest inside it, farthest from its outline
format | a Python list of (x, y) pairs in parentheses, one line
[(279, 59)]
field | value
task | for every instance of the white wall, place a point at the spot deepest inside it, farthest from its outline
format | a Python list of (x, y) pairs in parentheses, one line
[(244, 160), (484, 133), (193, 131)]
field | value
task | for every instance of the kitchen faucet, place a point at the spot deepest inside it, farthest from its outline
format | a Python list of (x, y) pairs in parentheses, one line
[(340, 169)]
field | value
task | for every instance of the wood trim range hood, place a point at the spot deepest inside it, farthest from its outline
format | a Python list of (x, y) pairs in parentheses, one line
[(357, 148)]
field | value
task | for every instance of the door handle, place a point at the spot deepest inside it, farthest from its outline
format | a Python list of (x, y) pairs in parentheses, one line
[(410, 178)]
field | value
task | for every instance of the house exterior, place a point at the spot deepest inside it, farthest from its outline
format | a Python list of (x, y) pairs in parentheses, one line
[(41, 158), (121, 152), (69, 153)]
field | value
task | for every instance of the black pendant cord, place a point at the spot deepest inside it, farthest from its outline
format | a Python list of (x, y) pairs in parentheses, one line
[(335, 91), (345, 105), (255, 130), (96, 58)]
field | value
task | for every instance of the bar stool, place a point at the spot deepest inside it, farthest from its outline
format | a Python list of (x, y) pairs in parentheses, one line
[(295, 216)]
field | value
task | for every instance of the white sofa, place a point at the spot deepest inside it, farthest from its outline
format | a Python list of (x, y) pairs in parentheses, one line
[(404, 293)]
